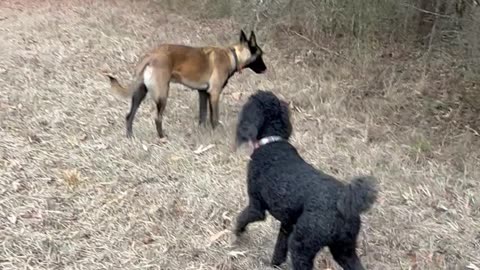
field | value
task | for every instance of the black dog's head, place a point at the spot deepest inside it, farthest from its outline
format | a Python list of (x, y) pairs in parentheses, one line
[(254, 60), (264, 114)]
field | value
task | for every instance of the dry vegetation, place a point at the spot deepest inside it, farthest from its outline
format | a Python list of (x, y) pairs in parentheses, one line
[(76, 194)]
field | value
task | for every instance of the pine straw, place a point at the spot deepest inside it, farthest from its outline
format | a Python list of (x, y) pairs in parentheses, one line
[(76, 194)]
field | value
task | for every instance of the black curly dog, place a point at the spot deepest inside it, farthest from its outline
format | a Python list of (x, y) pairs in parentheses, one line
[(315, 209)]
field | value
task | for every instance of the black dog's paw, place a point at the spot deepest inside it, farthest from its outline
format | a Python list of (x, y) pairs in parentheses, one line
[(276, 262), (238, 237), (239, 231), (271, 264), (163, 139)]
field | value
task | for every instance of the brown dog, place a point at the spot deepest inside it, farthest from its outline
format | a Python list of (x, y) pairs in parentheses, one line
[(205, 69)]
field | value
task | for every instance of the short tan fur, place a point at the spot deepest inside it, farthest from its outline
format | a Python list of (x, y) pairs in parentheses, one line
[(205, 69)]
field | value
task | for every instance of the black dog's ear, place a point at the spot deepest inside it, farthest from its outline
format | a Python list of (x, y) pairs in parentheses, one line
[(243, 37), (253, 40), (285, 116), (249, 122)]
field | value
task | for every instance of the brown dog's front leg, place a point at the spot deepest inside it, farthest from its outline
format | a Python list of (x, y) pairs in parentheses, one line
[(214, 108)]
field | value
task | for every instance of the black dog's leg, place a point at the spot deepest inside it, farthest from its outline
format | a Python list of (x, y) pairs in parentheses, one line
[(281, 247), (304, 245), (203, 102), (346, 256), (302, 259), (137, 99), (252, 213)]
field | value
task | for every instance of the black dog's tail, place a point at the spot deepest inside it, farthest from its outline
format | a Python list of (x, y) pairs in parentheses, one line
[(358, 196)]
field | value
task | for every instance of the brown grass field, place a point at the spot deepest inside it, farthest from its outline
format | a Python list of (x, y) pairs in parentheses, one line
[(76, 194)]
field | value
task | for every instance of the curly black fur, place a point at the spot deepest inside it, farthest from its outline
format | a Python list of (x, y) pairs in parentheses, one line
[(315, 209)]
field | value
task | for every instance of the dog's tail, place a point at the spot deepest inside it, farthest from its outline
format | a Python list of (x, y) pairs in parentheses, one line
[(128, 91), (358, 196), (119, 89)]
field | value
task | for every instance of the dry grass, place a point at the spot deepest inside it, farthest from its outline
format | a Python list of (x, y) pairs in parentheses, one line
[(76, 194)]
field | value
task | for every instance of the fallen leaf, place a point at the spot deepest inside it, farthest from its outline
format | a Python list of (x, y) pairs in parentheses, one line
[(12, 219), (202, 149), (34, 139), (175, 158), (442, 208), (33, 215), (235, 253), (147, 240), (101, 146), (212, 239), (225, 216), (16, 186), (472, 266), (72, 177), (83, 137), (237, 96)]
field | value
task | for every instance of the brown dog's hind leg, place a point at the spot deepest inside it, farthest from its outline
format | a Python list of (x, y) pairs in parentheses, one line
[(137, 98), (159, 90), (161, 104), (203, 103)]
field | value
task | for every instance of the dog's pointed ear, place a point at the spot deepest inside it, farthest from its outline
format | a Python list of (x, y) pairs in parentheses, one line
[(253, 40), (243, 37)]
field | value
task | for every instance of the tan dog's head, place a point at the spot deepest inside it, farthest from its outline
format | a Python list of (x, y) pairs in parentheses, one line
[(250, 54)]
